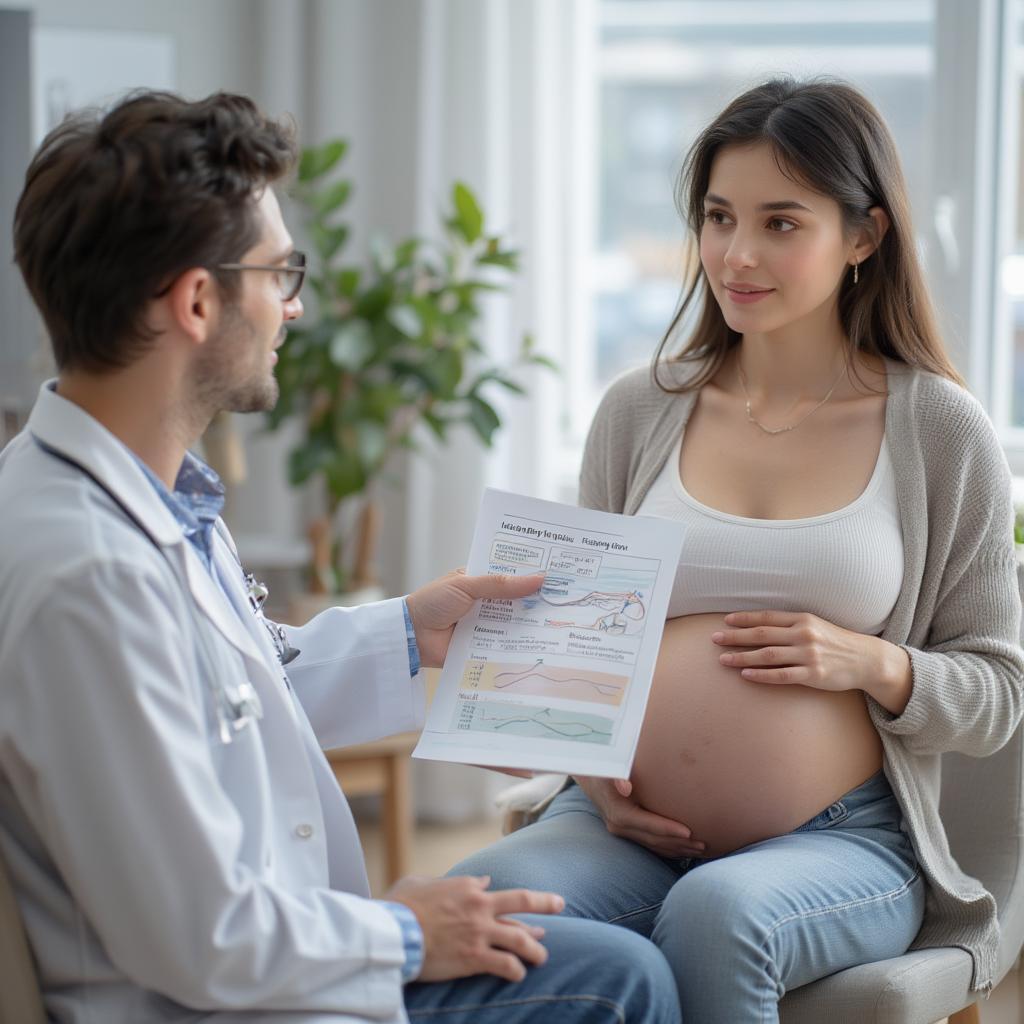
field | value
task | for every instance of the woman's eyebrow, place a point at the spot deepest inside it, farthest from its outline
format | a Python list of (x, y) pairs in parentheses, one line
[(782, 204)]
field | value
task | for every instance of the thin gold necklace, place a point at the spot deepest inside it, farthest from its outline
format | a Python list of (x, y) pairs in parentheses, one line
[(782, 430)]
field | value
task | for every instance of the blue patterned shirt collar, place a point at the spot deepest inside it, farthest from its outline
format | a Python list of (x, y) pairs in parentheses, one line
[(196, 501)]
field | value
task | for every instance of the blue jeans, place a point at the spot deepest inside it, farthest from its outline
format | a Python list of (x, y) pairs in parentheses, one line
[(595, 974), (741, 930)]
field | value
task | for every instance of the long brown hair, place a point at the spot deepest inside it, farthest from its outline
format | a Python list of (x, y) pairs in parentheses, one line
[(828, 136)]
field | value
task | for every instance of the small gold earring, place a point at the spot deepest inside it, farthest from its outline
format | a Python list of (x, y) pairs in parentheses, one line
[(856, 272)]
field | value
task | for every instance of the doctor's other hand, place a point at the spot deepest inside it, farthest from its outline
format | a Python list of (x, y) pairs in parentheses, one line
[(436, 607), (465, 930), (624, 817)]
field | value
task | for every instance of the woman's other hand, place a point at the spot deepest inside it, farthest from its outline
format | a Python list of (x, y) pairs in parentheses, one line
[(799, 648), (625, 818)]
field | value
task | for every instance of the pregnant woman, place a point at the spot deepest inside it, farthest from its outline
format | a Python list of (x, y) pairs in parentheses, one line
[(846, 608)]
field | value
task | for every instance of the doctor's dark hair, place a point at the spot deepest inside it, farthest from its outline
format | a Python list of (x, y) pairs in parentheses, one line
[(116, 207), (828, 137)]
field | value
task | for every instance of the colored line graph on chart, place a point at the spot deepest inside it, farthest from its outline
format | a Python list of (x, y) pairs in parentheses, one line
[(623, 609), (532, 722), (541, 680), (613, 600)]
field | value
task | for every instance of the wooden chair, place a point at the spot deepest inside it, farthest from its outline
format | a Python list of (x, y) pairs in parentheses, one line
[(381, 769)]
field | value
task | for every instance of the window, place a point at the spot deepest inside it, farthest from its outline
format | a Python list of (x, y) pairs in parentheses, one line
[(1007, 218)]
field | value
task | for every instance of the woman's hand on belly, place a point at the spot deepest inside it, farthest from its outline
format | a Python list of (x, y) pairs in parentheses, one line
[(625, 818), (737, 760), (803, 649)]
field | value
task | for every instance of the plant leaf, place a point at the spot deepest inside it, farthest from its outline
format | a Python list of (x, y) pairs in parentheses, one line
[(437, 424), (536, 359), (474, 284), (380, 399), (351, 345), (331, 198), (345, 474), (328, 240), (318, 160), (482, 417), (383, 256), (405, 252), (372, 442), (468, 215), (510, 385), (407, 320), (444, 370), (306, 459), (347, 281), (510, 260), (498, 378)]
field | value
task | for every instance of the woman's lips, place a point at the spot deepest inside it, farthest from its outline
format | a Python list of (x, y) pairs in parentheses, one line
[(747, 295)]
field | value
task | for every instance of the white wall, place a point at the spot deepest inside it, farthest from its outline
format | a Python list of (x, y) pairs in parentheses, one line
[(215, 42)]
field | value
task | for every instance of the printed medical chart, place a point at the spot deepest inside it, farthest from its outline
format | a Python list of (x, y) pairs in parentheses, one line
[(557, 681)]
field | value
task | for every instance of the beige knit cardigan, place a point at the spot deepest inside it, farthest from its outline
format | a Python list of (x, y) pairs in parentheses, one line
[(957, 615)]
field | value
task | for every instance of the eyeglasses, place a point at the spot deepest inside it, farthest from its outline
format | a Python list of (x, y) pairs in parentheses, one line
[(289, 278)]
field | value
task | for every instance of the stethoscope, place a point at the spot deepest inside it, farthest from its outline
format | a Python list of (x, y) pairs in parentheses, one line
[(257, 594), (235, 705)]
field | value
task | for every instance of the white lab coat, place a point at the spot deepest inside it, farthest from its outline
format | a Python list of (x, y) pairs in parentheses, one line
[(162, 874)]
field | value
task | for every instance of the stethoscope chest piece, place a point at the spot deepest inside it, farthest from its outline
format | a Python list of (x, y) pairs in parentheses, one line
[(257, 593)]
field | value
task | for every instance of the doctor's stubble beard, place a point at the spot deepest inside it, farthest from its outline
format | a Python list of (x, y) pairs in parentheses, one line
[(236, 345)]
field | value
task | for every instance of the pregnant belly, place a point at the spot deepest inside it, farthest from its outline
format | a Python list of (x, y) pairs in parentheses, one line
[(738, 761)]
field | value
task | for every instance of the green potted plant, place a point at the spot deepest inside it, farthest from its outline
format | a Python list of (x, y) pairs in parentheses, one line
[(390, 345)]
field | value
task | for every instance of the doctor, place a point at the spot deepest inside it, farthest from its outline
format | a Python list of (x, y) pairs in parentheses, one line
[(179, 848)]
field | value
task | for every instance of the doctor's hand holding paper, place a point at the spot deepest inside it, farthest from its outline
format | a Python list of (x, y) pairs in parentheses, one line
[(436, 607), (178, 846)]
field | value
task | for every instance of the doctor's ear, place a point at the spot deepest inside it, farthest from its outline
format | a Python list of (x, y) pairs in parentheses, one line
[(189, 305)]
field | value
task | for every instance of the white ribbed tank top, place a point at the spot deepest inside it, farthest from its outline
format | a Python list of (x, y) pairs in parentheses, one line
[(844, 566)]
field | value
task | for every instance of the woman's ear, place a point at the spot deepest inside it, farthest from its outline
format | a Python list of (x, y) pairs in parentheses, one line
[(870, 236)]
